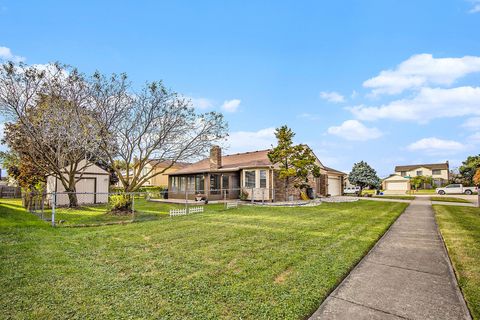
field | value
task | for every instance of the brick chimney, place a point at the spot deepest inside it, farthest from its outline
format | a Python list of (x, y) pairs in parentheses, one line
[(215, 158)]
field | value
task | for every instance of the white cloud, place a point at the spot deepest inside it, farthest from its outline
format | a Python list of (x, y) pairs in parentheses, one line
[(435, 146), (201, 103), (472, 123), (7, 55), (243, 141), (422, 70), (429, 103), (354, 130), (332, 96), (231, 105), (476, 6), (475, 138)]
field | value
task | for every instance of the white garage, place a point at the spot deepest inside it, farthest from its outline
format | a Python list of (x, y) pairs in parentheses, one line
[(92, 186), (396, 184)]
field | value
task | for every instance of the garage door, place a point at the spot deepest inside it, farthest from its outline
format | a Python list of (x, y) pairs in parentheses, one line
[(86, 186), (334, 186), (397, 185)]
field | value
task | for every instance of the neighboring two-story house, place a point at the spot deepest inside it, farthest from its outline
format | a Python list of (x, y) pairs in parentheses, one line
[(400, 180)]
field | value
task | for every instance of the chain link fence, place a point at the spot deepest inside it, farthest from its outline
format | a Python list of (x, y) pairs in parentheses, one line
[(95, 208)]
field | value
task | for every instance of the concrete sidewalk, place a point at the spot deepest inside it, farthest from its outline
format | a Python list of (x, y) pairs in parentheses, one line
[(407, 275)]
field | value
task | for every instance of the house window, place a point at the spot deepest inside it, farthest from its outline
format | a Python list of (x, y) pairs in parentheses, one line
[(250, 179), (263, 178), (436, 172), (200, 183), (403, 173), (419, 173), (214, 184)]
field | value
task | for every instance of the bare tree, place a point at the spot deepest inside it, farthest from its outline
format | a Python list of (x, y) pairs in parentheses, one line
[(52, 124), (155, 123)]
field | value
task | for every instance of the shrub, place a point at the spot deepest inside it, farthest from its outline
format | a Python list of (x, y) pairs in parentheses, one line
[(243, 194), (120, 203)]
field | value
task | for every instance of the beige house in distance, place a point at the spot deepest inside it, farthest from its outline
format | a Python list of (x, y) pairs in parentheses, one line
[(161, 180), (399, 182)]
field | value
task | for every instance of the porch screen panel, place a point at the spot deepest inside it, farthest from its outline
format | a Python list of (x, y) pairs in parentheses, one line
[(200, 183), (225, 184), (214, 184)]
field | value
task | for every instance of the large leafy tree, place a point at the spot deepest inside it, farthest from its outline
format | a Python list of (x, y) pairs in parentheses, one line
[(476, 181), (362, 175), (25, 173), (50, 116), (295, 162), (469, 167), (421, 181), (153, 123)]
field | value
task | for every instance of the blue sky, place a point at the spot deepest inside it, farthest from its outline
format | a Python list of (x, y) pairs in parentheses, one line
[(388, 82)]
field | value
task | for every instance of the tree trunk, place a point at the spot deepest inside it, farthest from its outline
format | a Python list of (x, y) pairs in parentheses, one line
[(72, 195)]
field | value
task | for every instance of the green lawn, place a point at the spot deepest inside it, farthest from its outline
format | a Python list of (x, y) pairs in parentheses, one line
[(449, 199), (248, 263), (396, 197), (98, 214), (460, 227), (422, 191)]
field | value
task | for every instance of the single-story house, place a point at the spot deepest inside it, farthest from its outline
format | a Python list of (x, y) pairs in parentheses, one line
[(94, 184), (399, 182), (244, 175)]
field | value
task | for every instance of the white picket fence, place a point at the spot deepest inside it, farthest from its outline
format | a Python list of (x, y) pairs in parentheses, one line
[(184, 212), (232, 205)]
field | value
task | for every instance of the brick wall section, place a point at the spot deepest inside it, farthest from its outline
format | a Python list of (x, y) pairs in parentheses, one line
[(279, 185), (215, 158)]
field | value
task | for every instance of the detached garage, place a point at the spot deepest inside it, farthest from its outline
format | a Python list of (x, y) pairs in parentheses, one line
[(92, 186), (396, 184)]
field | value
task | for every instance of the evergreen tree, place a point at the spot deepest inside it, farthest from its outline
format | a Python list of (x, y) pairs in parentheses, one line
[(296, 162), (362, 175)]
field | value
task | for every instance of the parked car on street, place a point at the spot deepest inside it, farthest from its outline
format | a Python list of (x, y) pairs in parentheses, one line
[(456, 189), (351, 190)]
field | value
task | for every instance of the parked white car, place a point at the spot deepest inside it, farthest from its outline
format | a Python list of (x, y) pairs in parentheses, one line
[(456, 188), (351, 190)]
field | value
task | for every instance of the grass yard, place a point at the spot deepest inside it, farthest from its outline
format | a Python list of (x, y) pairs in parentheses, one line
[(396, 197), (460, 227), (97, 214), (248, 263), (449, 199), (422, 191)]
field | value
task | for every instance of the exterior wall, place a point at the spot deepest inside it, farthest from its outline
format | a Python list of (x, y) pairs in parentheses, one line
[(259, 193), (284, 194), (94, 185), (444, 174)]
